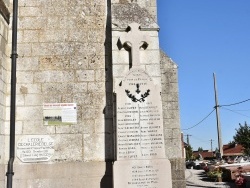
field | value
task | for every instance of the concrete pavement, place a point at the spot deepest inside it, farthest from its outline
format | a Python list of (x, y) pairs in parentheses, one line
[(198, 178)]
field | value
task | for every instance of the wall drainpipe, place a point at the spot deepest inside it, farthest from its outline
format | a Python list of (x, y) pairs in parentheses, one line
[(13, 57)]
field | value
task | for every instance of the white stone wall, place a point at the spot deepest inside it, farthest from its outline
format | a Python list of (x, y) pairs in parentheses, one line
[(150, 5), (4, 61), (61, 60), (144, 13), (65, 55), (170, 97)]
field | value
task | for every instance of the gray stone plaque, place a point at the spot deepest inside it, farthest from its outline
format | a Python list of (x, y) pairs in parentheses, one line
[(140, 148), (139, 118), (141, 161), (35, 148), (142, 174)]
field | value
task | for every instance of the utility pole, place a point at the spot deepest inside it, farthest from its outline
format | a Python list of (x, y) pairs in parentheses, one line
[(211, 144), (212, 147), (188, 138), (218, 119)]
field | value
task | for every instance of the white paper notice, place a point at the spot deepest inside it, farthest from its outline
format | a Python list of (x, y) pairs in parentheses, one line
[(59, 113)]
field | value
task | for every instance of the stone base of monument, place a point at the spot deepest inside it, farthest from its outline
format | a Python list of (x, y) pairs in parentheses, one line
[(153, 173)]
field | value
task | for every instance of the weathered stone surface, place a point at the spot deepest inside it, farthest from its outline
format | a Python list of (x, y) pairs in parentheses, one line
[(36, 126), (66, 145), (178, 172), (172, 121), (4, 19), (147, 173), (139, 127), (27, 64), (65, 55), (4, 10), (1, 155), (179, 184), (173, 148), (96, 151), (77, 174), (124, 13), (2, 177)]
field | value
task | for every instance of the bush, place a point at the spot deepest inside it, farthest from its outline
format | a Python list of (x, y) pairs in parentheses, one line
[(215, 173)]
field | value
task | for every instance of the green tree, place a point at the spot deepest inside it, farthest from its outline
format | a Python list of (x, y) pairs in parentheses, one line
[(242, 137), (231, 143), (200, 149), (189, 152)]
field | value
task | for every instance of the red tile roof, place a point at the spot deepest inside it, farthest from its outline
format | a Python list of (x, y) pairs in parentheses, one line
[(228, 150), (231, 150), (204, 154)]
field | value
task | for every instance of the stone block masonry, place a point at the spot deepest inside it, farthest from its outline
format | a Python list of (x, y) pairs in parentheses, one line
[(4, 31), (68, 53), (61, 60), (173, 143), (61, 55), (124, 13)]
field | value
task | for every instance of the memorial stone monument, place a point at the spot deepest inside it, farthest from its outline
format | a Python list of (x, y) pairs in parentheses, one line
[(96, 99), (140, 149)]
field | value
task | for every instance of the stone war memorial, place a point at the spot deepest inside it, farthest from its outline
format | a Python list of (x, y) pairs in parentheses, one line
[(96, 99)]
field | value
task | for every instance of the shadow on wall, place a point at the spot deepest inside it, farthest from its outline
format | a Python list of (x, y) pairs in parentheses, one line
[(107, 180)]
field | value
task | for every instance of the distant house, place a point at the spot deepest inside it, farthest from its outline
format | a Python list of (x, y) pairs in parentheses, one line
[(229, 150), (233, 150), (204, 154)]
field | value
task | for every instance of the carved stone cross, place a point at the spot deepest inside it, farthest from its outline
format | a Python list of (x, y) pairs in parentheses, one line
[(134, 40)]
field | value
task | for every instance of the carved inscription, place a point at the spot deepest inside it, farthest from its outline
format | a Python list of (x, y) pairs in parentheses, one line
[(154, 173), (140, 149), (144, 176), (139, 122), (35, 148)]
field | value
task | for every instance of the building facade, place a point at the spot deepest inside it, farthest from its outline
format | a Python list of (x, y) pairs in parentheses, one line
[(68, 53)]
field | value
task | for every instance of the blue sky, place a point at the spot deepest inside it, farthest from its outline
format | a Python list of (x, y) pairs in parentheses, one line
[(205, 37)]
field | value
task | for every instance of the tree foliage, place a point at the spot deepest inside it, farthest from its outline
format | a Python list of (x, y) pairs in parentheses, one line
[(200, 149), (231, 143), (189, 152), (242, 137)]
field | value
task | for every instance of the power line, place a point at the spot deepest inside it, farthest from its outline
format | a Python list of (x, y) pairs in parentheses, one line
[(201, 120), (235, 112), (200, 139), (246, 110), (214, 110), (234, 103)]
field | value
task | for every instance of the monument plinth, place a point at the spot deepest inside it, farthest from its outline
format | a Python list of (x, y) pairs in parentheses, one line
[(140, 148)]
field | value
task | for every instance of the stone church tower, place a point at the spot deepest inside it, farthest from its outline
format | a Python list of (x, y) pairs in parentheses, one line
[(69, 54)]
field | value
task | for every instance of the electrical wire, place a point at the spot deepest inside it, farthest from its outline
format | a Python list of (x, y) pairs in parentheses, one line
[(235, 112), (235, 103), (223, 108), (200, 139), (201, 120), (247, 110)]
